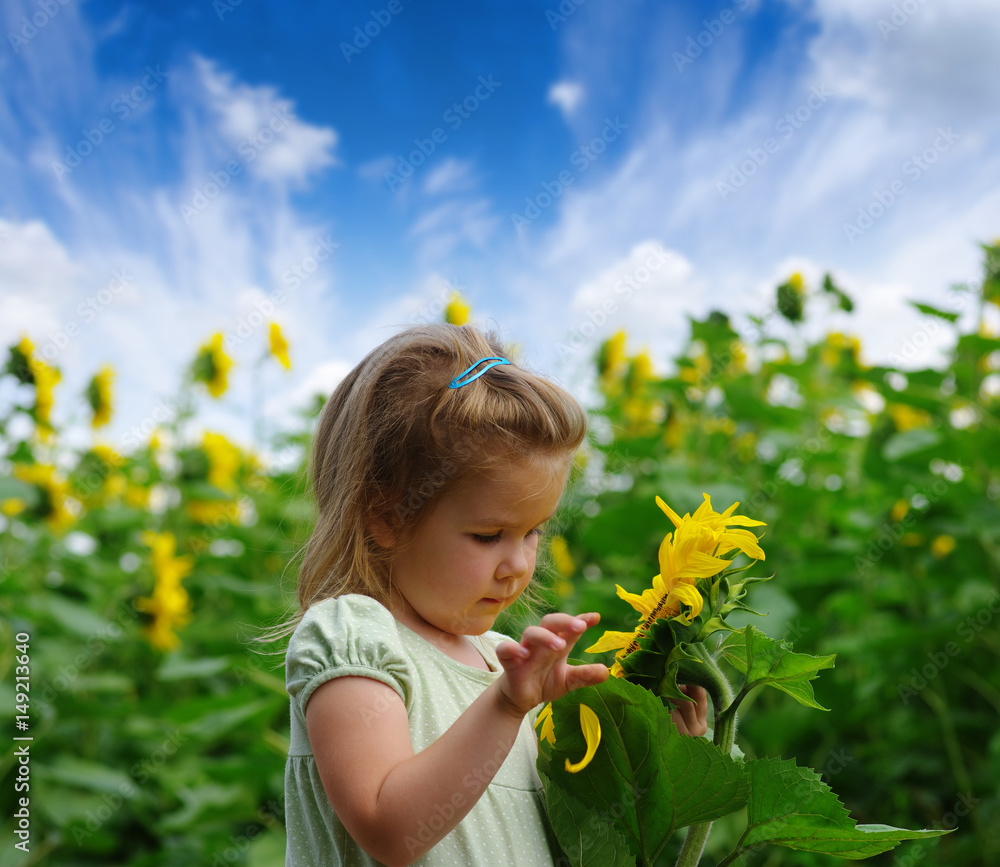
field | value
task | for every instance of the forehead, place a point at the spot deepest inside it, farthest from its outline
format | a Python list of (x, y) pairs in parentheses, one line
[(513, 490)]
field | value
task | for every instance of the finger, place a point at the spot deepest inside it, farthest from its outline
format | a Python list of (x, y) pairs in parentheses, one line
[(681, 720), (678, 721), (511, 651), (539, 637), (702, 707), (699, 708), (564, 624), (586, 675), (691, 717)]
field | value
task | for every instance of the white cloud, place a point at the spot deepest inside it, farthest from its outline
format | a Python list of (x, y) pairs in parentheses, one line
[(911, 61), (214, 267), (646, 292), (449, 176), (263, 128), (662, 179), (444, 227), (375, 169), (567, 95), (322, 379)]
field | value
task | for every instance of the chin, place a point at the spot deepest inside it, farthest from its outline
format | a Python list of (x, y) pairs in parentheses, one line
[(473, 624)]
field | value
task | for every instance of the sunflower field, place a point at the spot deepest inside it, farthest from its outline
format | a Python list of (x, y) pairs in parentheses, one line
[(134, 580)]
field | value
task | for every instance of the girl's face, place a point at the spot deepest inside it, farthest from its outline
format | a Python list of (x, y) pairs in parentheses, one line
[(475, 552)]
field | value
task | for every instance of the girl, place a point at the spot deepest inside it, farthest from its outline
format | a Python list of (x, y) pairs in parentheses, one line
[(435, 464)]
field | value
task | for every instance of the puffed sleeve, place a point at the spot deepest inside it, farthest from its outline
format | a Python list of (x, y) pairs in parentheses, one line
[(343, 636)]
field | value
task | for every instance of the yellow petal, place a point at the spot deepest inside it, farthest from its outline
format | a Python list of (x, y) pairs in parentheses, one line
[(638, 601), (611, 641), (670, 513), (548, 732), (743, 521), (744, 540), (689, 596), (591, 726)]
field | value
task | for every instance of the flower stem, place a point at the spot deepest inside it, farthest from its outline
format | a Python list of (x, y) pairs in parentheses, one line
[(694, 844), (719, 690)]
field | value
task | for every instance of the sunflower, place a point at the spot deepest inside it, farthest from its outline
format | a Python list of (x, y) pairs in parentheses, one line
[(99, 396), (695, 549), (612, 362), (170, 604), (31, 370), (54, 503), (211, 366), (562, 560), (224, 459), (457, 311), (278, 346)]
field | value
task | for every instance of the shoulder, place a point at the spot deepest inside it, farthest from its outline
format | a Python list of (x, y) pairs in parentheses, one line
[(343, 610), (345, 635)]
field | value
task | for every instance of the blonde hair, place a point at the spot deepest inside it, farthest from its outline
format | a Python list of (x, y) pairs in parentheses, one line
[(393, 438)]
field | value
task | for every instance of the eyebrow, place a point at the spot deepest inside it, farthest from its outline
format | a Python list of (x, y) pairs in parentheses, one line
[(493, 521)]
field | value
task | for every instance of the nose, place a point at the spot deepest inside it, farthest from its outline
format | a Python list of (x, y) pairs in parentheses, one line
[(517, 563)]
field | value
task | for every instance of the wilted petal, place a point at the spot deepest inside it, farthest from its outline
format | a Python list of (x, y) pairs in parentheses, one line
[(591, 726)]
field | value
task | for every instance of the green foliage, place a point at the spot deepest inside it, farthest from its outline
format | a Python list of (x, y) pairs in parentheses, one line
[(879, 485), (765, 662), (791, 806), (645, 781), (146, 755)]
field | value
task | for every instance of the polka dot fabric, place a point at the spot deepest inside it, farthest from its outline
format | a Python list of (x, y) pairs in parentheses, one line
[(355, 635)]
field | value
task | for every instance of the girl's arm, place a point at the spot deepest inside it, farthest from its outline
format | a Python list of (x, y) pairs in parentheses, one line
[(387, 796)]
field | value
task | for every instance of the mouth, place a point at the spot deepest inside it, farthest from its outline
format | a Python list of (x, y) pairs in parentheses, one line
[(494, 601)]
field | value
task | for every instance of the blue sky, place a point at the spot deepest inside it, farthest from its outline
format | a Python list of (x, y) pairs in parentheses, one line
[(181, 160)]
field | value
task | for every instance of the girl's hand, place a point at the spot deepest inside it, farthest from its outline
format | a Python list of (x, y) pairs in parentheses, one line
[(691, 718), (536, 670)]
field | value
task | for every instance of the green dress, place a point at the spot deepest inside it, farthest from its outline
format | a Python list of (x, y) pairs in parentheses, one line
[(355, 635)]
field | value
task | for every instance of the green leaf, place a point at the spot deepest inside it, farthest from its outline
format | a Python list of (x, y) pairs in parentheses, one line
[(84, 774), (175, 666), (844, 301), (934, 311), (789, 302), (909, 442), (200, 803), (646, 779), (586, 840), (765, 661), (11, 489), (791, 806), (77, 618), (198, 490)]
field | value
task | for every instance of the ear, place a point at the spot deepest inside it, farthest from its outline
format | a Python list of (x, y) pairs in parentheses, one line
[(381, 531)]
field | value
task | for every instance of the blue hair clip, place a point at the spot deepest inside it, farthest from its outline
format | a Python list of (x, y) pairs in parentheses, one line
[(464, 377)]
